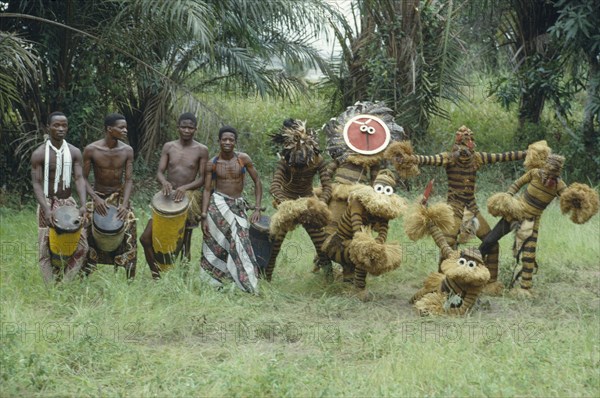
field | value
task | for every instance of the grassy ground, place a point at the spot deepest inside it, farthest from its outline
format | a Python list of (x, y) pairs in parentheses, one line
[(301, 336)]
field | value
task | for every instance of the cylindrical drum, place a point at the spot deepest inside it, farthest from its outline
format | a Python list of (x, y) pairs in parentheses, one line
[(261, 244), (108, 230), (168, 227), (64, 237)]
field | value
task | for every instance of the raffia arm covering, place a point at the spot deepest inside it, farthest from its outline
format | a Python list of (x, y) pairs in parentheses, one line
[(375, 258), (417, 218), (537, 153), (305, 211), (505, 205), (581, 201), (402, 150)]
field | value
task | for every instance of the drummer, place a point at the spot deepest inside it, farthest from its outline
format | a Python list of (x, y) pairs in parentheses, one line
[(184, 161), (111, 160), (226, 249), (53, 165)]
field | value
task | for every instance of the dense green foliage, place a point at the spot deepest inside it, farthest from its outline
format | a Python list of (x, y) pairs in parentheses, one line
[(152, 61)]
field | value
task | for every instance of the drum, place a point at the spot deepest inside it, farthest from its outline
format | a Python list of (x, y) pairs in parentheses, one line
[(108, 230), (261, 244), (64, 237), (168, 227)]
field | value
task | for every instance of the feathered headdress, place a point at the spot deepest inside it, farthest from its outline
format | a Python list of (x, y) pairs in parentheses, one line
[(298, 146)]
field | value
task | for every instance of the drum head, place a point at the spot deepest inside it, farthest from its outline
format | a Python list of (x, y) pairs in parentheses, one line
[(166, 204), (262, 225), (66, 219), (108, 223)]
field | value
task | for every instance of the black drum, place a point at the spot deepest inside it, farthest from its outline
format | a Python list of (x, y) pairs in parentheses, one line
[(108, 231), (261, 244)]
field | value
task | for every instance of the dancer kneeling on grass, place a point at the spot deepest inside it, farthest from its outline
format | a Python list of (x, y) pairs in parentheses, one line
[(226, 249)]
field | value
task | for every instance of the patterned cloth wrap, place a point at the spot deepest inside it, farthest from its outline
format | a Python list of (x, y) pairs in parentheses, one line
[(75, 262), (126, 254), (226, 249)]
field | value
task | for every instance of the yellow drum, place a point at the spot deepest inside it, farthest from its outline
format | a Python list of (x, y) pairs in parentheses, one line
[(108, 230), (168, 227), (64, 237)]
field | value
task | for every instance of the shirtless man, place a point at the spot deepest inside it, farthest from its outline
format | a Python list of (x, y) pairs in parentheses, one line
[(184, 160), (53, 164), (224, 219), (112, 163)]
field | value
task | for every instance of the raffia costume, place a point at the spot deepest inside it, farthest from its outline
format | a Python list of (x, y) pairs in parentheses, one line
[(292, 190), (462, 276), (357, 163), (543, 185), (352, 244), (461, 165), (125, 255)]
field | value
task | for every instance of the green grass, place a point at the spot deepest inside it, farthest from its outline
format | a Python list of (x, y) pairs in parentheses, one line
[(301, 336)]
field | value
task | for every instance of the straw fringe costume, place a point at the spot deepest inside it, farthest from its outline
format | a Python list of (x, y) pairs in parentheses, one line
[(123, 256), (543, 185), (353, 246), (226, 249), (461, 167), (352, 168), (74, 263), (455, 288), (292, 191)]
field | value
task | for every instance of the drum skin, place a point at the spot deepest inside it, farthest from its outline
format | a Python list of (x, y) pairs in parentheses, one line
[(168, 227), (261, 244), (108, 231), (65, 236)]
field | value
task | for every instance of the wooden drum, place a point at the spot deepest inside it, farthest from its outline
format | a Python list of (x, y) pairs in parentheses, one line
[(108, 231), (261, 244), (64, 237), (168, 227)]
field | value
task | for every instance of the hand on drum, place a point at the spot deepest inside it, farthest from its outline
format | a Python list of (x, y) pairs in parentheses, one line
[(122, 212), (167, 188), (255, 217), (82, 211), (49, 217), (179, 195), (100, 206)]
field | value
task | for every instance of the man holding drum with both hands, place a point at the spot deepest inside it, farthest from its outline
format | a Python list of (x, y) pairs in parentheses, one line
[(112, 230), (62, 242)]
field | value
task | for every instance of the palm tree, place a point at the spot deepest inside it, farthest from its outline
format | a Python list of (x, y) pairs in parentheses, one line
[(405, 53), (19, 69), (147, 58)]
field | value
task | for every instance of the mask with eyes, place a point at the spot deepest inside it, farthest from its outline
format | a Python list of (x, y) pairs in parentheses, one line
[(383, 189), (466, 267), (380, 200)]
